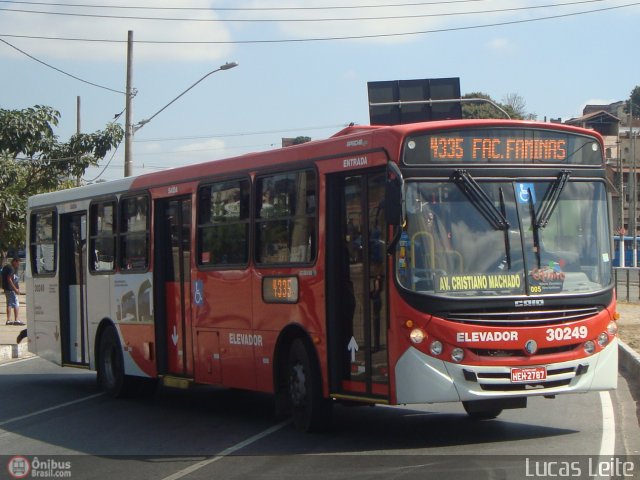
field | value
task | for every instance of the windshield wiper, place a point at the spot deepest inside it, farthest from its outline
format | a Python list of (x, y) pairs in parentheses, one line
[(481, 201), (534, 227), (507, 241), (550, 199), (548, 204)]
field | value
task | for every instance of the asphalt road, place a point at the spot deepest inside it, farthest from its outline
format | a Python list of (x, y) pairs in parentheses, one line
[(49, 414)]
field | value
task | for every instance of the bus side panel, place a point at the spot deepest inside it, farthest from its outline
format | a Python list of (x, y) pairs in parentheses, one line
[(43, 312), (138, 346), (271, 318), (98, 308), (132, 307), (225, 307)]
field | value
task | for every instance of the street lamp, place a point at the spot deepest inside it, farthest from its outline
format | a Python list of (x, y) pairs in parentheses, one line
[(131, 129), (143, 122)]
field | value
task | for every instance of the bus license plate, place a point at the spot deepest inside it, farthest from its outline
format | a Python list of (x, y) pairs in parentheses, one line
[(520, 375)]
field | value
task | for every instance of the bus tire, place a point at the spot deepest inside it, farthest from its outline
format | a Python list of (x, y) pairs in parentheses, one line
[(310, 411), (484, 412), (111, 377)]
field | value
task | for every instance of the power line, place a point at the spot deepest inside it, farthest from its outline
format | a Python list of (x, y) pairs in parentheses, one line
[(243, 9), (211, 149), (301, 20), (325, 39), (41, 159), (239, 134), (164, 167), (59, 70), (237, 147), (105, 167)]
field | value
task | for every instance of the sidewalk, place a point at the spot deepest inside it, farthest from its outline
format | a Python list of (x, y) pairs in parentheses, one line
[(629, 335), (8, 333)]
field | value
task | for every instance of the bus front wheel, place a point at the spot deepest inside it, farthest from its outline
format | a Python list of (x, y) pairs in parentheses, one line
[(311, 412), (482, 409)]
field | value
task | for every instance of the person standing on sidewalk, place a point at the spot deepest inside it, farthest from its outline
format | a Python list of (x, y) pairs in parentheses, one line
[(12, 290)]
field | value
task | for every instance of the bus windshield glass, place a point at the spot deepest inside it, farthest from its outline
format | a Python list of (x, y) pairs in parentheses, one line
[(469, 237), (502, 146)]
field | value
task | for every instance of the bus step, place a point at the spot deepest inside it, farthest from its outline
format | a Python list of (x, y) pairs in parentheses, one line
[(177, 382)]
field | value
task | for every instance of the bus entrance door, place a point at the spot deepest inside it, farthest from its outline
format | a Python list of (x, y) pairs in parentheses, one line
[(73, 289), (357, 283), (173, 275)]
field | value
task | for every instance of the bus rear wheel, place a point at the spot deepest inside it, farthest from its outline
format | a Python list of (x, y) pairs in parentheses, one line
[(482, 410), (111, 376), (311, 412)]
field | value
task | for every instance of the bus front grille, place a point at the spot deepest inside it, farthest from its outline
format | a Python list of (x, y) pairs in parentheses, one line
[(524, 387), (509, 318), (486, 352)]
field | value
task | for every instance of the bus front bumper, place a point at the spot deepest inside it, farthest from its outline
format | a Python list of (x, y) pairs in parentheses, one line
[(421, 378)]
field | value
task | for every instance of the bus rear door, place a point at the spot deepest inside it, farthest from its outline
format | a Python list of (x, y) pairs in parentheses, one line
[(172, 267), (73, 289)]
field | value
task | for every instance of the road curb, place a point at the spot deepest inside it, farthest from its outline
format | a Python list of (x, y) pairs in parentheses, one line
[(629, 361), (9, 352)]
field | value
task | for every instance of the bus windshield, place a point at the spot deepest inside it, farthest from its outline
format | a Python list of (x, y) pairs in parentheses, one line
[(467, 237)]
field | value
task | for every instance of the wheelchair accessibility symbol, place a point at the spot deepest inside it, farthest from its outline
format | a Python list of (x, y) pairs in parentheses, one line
[(198, 297), (524, 191)]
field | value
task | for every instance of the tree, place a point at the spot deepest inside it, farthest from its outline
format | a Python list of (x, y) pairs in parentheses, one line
[(513, 104), (518, 105), (635, 99), (301, 140), (33, 161)]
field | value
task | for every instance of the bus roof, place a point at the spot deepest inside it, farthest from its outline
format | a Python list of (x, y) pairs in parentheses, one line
[(87, 191), (348, 141)]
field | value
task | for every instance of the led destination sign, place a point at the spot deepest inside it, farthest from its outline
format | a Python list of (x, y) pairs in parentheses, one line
[(505, 145), (280, 289), (489, 148)]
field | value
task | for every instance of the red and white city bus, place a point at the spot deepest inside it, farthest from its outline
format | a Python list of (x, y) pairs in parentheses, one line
[(449, 261)]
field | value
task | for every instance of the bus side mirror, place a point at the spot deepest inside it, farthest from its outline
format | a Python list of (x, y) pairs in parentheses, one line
[(393, 203)]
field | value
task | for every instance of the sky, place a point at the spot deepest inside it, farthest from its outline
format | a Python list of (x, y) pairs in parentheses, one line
[(303, 64)]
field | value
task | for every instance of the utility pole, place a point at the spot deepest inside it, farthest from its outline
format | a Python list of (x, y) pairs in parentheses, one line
[(78, 131), (128, 128), (621, 232), (634, 202)]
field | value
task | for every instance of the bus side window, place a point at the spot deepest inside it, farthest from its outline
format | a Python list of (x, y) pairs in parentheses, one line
[(285, 218), (134, 233), (223, 224), (43, 235), (102, 236)]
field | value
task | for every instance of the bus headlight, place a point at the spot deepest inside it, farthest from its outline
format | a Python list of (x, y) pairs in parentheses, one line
[(435, 348), (612, 328), (589, 347), (417, 336), (603, 339), (457, 355)]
